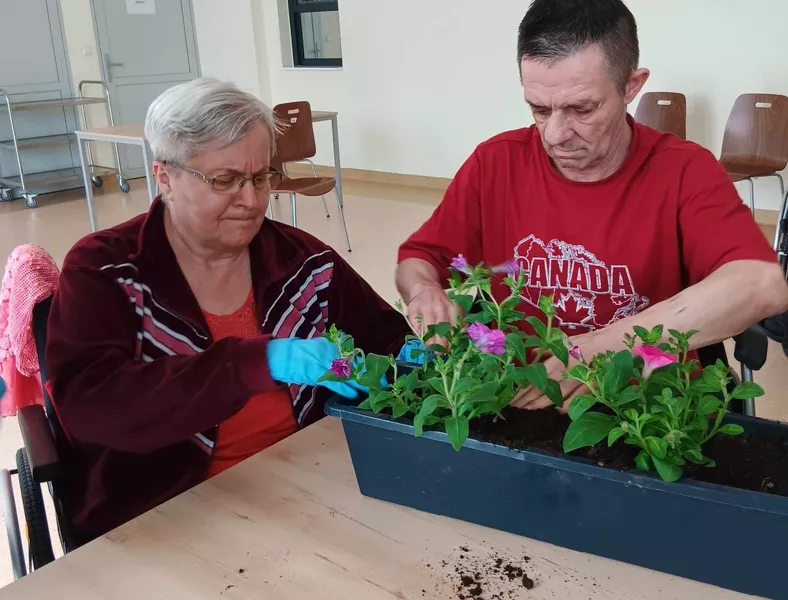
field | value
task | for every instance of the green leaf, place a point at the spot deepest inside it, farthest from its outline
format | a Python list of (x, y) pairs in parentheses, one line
[(483, 393), (554, 393), (615, 434), (440, 330), (589, 429), (643, 461), (629, 394), (546, 305), (631, 414), (486, 408), (641, 332), (531, 341), (708, 405), (747, 390), (516, 345), (457, 429), (537, 375), (579, 373), (580, 405), (656, 447), (539, 327), (618, 373), (428, 407), (400, 409), (365, 405), (731, 429), (375, 367), (560, 351), (379, 400), (463, 301), (696, 456), (667, 471)]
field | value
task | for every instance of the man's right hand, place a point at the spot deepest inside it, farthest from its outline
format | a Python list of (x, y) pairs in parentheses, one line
[(429, 306)]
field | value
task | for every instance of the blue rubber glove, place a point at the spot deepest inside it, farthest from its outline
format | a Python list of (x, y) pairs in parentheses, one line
[(406, 353), (303, 362), (2, 387)]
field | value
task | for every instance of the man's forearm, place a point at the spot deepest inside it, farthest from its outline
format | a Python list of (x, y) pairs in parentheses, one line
[(414, 276), (721, 306)]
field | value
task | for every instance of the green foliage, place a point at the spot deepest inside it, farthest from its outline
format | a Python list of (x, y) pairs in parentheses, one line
[(461, 380), (669, 412)]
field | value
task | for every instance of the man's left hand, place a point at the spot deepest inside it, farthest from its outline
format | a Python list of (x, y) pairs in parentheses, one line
[(532, 398)]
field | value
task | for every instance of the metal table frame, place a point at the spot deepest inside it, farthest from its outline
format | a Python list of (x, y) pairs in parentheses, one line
[(130, 135), (317, 117)]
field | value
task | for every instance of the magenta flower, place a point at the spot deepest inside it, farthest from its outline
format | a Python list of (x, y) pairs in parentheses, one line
[(459, 263), (575, 353), (341, 367), (654, 358), (491, 341), (511, 268)]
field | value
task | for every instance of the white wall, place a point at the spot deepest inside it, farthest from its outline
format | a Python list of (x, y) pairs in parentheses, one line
[(423, 82), (226, 42)]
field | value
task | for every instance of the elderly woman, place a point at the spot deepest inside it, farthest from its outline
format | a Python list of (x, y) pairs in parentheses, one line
[(189, 338)]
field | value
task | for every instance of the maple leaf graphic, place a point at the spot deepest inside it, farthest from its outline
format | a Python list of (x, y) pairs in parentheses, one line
[(575, 310)]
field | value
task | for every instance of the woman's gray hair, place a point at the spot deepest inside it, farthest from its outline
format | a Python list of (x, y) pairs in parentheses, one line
[(202, 114)]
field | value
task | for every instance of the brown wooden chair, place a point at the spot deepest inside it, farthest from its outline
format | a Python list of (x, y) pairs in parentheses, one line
[(755, 144), (665, 112), (296, 143)]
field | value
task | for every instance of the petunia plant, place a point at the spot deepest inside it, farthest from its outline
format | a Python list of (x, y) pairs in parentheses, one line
[(653, 396), (474, 366)]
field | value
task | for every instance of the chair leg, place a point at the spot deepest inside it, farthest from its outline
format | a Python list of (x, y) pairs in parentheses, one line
[(749, 403), (314, 174), (270, 211), (781, 216), (293, 210), (344, 223), (752, 195)]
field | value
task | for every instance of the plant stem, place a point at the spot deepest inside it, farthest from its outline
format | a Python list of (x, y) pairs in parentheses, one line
[(720, 415)]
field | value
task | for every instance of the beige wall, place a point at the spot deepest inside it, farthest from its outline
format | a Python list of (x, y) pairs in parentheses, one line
[(424, 82)]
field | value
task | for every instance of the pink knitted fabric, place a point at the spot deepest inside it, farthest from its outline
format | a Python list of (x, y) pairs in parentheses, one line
[(31, 275)]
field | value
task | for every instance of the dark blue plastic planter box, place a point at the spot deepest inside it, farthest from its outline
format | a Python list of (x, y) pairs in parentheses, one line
[(731, 538)]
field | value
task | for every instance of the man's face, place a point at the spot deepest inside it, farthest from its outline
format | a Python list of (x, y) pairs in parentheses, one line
[(578, 107)]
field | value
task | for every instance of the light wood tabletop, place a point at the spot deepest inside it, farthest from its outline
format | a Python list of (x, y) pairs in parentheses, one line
[(323, 115), (120, 133), (291, 523)]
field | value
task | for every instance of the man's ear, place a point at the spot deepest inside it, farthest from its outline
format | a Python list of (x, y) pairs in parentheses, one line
[(635, 83), (162, 176)]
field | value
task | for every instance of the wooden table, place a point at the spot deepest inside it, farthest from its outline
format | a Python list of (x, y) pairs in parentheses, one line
[(290, 523), (133, 135)]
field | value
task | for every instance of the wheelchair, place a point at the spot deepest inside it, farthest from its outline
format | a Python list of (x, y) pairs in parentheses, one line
[(37, 463), (42, 459)]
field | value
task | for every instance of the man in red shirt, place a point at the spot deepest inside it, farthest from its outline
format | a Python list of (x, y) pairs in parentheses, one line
[(619, 224)]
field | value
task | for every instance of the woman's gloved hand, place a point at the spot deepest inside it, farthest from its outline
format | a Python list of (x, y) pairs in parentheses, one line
[(2, 387), (304, 362)]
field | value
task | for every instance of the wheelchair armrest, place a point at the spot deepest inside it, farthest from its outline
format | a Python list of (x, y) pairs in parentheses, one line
[(751, 348), (39, 444)]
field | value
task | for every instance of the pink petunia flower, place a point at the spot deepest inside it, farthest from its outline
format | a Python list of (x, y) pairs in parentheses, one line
[(460, 263), (341, 367), (576, 353), (511, 268), (491, 341), (654, 358)]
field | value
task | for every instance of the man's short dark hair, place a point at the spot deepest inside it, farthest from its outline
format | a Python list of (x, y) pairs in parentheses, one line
[(556, 29)]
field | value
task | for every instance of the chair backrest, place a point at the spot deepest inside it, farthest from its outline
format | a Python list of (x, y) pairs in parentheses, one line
[(665, 112), (756, 136), (297, 140), (40, 318)]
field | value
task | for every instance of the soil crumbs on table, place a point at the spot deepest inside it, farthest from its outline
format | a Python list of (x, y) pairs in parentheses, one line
[(745, 462), (487, 575)]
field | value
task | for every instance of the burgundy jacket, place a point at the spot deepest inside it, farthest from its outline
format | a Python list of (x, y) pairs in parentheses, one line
[(138, 384)]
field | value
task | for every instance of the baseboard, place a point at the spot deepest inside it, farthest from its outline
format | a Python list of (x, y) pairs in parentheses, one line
[(362, 175)]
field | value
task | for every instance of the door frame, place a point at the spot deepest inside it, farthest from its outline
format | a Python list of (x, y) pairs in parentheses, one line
[(102, 67)]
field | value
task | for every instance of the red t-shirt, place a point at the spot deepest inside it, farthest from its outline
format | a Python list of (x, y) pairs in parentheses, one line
[(606, 250), (265, 419)]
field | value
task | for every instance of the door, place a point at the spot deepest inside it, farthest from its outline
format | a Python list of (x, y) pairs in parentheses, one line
[(146, 46), (34, 29)]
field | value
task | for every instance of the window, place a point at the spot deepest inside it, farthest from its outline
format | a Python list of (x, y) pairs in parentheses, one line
[(314, 28)]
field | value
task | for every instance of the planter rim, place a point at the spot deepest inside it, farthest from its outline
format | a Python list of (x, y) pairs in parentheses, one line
[(746, 499)]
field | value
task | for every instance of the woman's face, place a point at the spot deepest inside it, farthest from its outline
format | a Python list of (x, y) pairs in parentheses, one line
[(222, 221)]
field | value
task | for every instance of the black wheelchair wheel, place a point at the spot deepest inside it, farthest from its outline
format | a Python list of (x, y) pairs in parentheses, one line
[(35, 514)]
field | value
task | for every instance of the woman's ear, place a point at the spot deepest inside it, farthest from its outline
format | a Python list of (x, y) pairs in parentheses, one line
[(162, 176)]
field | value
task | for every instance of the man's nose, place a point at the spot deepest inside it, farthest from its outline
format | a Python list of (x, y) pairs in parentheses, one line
[(557, 129)]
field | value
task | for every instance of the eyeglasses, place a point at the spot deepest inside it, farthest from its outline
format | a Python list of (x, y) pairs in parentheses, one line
[(231, 183)]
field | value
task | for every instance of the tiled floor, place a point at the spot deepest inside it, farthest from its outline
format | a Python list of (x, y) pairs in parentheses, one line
[(379, 218)]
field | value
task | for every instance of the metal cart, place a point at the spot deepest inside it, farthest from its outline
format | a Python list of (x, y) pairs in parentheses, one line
[(27, 183)]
